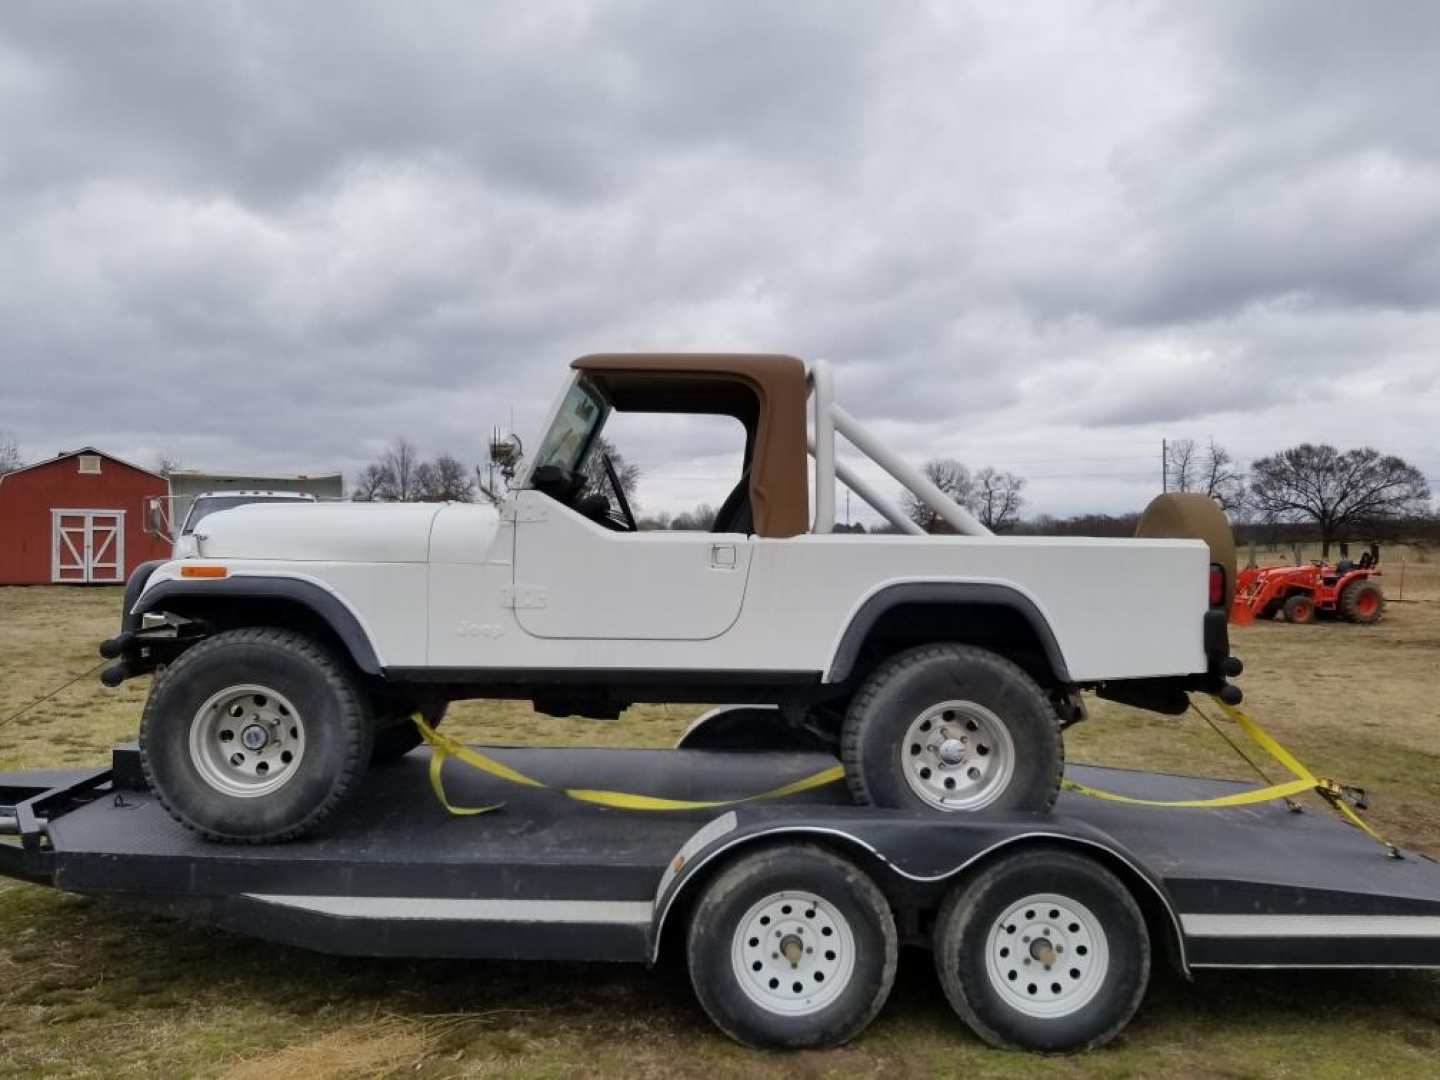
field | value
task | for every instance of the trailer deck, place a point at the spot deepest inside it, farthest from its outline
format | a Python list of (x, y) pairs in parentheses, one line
[(548, 877)]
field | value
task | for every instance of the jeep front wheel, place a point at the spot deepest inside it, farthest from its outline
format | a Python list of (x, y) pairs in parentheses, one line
[(952, 728), (254, 735)]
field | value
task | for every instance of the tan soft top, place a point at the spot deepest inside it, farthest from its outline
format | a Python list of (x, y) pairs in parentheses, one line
[(766, 393)]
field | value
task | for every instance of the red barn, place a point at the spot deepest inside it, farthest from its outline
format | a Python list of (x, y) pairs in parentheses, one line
[(77, 518)]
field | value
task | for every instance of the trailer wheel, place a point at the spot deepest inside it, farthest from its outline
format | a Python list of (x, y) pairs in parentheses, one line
[(792, 947), (1299, 609), (1044, 950), (397, 736), (952, 728), (1363, 602), (254, 735)]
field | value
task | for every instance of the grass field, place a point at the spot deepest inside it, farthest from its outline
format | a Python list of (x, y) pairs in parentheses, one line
[(90, 989)]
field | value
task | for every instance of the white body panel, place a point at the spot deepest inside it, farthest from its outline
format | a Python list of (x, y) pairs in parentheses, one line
[(577, 579), (320, 532), (439, 586)]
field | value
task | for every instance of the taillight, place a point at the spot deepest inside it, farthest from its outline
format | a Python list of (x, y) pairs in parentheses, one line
[(1217, 585)]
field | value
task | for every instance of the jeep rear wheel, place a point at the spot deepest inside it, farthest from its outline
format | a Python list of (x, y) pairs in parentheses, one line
[(952, 728), (254, 735)]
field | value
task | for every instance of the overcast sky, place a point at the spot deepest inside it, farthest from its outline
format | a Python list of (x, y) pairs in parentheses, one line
[(1036, 235)]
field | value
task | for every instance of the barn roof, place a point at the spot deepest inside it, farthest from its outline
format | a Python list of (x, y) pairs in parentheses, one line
[(76, 453)]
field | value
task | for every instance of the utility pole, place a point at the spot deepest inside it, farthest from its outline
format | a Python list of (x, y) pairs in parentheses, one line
[(1164, 466)]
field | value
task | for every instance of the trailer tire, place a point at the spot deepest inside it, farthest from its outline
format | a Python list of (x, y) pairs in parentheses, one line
[(1362, 602), (1300, 609), (995, 933), (754, 917), (952, 728), (308, 724), (397, 736)]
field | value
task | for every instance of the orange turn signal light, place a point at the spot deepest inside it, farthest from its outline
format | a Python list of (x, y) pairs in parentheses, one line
[(204, 571)]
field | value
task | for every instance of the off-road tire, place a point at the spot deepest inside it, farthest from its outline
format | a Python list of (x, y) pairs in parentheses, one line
[(897, 691), (1299, 610), (396, 737), (973, 986), (1354, 606), (716, 923), (338, 734)]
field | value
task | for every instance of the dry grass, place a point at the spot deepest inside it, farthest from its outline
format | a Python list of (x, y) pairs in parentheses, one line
[(91, 989)]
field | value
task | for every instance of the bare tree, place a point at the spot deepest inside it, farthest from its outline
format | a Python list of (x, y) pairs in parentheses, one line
[(166, 463), (399, 462), (1338, 491), (996, 498), (372, 483), (1221, 478), (1182, 463), (595, 478), (1210, 470), (10, 458), (951, 477), (443, 480)]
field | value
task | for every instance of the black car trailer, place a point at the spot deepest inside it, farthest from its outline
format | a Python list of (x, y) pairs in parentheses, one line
[(789, 912)]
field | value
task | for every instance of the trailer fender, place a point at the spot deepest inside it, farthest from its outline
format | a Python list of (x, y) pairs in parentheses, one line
[(879, 848)]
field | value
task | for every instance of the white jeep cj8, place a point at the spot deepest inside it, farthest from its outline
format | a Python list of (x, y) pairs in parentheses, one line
[(292, 647)]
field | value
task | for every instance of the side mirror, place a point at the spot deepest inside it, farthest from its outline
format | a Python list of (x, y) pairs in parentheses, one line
[(506, 453), (157, 522)]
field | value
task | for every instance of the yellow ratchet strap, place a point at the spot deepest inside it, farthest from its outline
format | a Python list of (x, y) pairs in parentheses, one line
[(443, 747), (1329, 790)]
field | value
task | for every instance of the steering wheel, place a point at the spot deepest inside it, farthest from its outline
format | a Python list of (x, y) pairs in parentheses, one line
[(619, 493)]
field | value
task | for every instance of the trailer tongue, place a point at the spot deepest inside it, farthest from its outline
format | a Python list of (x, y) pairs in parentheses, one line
[(1001, 897)]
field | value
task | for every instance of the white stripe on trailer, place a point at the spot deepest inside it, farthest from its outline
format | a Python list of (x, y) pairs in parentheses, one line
[(1311, 926), (593, 912)]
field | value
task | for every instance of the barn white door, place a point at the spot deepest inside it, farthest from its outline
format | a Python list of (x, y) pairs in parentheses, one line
[(87, 546)]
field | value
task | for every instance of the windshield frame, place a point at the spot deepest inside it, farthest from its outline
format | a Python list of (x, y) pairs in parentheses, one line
[(586, 387)]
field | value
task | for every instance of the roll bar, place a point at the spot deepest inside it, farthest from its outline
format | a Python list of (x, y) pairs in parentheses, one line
[(831, 418)]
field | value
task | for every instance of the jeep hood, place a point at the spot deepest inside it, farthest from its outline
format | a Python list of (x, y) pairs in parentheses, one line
[(326, 532)]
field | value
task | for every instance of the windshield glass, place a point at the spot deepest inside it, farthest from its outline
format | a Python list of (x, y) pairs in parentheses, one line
[(569, 437), (204, 507)]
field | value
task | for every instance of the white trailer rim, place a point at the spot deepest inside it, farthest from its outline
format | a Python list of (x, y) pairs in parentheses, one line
[(957, 755), (1047, 956), (793, 953), (247, 741)]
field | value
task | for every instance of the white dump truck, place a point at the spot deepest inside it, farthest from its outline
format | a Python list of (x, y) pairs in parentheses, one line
[(297, 642)]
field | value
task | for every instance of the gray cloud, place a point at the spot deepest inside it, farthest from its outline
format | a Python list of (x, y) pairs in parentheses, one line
[(275, 236)]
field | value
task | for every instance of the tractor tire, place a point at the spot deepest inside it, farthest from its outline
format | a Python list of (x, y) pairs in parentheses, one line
[(1362, 602), (952, 728), (397, 736), (1300, 609), (255, 735)]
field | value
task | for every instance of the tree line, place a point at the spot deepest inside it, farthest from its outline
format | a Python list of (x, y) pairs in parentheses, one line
[(1333, 494)]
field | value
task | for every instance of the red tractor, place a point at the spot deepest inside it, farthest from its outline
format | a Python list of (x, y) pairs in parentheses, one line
[(1304, 593)]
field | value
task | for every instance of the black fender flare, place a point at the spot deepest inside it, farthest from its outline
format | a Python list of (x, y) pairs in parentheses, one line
[(974, 593), (322, 603)]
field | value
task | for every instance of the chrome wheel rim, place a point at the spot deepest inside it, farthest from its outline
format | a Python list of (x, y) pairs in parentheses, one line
[(247, 741), (1047, 956), (957, 755), (793, 953)]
